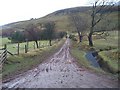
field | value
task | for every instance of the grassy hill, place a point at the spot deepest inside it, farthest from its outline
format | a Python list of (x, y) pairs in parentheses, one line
[(61, 18)]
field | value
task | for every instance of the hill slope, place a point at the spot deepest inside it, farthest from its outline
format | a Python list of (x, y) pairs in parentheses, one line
[(60, 17)]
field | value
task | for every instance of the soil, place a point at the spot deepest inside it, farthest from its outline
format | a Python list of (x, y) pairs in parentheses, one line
[(60, 71)]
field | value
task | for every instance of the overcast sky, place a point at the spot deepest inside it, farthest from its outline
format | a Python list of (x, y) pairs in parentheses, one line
[(18, 10)]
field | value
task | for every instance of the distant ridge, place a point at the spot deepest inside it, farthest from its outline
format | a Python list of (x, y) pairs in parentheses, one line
[(70, 10), (57, 16)]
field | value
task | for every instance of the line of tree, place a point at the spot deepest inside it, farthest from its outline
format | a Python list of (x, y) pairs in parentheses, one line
[(35, 32)]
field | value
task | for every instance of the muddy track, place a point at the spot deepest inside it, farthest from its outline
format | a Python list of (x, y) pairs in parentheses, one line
[(59, 71)]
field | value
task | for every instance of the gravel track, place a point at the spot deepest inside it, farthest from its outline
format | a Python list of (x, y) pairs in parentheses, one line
[(60, 71)]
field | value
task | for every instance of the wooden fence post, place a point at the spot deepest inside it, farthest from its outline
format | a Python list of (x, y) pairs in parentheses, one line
[(25, 48), (27, 45), (18, 48), (5, 47)]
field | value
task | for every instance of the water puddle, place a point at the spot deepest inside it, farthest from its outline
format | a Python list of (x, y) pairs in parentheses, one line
[(92, 59)]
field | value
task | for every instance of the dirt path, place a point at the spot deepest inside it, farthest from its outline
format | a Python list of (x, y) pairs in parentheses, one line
[(60, 72)]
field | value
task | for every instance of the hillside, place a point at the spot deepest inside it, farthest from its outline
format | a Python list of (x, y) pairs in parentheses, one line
[(55, 16), (60, 17)]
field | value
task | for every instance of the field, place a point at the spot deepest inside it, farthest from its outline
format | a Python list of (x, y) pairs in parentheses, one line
[(12, 47), (111, 41)]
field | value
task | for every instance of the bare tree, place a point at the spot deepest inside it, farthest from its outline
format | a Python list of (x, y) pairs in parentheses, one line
[(98, 9), (49, 30), (79, 23), (33, 32)]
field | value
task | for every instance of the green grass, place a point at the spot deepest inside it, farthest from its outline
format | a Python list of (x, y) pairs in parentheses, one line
[(109, 55), (111, 59), (79, 54), (12, 47), (112, 41), (4, 41), (18, 64)]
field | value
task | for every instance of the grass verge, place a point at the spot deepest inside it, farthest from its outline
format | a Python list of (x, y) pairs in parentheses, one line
[(111, 57), (79, 53)]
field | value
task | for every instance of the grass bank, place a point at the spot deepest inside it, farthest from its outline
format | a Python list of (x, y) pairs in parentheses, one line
[(111, 58), (78, 52), (107, 50), (16, 65)]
